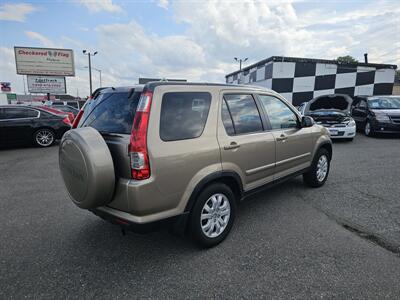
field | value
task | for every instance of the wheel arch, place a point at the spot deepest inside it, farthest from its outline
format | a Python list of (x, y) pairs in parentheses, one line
[(328, 147), (230, 178)]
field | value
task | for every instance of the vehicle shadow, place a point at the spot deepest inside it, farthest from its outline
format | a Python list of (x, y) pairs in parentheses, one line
[(25, 146), (98, 238)]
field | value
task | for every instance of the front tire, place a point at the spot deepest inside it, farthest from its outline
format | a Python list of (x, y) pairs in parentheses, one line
[(319, 171), (44, 137), (368, 131), (213, 215)]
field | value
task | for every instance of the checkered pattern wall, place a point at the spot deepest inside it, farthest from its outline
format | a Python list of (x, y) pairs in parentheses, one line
[(301, 81)]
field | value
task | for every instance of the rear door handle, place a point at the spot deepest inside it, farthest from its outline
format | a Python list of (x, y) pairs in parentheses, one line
[(282, 138), (233, 145)]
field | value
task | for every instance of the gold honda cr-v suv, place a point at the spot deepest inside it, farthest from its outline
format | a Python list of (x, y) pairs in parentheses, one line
[(186, 153)]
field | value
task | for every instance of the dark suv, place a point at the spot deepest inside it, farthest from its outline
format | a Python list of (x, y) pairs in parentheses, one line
[(374, 114)]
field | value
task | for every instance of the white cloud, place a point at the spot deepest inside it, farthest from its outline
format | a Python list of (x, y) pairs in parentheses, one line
[(101, 5), (147, 54), (41, 38), (215, 32), (15, 12), (163, 3), (8, 70), (261, 29)]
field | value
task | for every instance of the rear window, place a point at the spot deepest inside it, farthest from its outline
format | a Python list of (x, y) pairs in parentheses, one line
[(183, 115), (112, 112)]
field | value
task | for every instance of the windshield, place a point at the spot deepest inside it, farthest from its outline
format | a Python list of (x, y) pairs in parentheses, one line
[(384, 103)]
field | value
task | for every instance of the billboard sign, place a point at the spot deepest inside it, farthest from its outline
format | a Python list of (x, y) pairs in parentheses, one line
[(46, 84), (5, 87), (44, 61)]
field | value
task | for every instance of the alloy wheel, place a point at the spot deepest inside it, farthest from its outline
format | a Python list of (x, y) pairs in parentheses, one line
[(367, 129), (322, 168), (44, 137), (215, 215)]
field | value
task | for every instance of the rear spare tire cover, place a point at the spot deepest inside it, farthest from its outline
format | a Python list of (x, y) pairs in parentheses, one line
[(87, 167)]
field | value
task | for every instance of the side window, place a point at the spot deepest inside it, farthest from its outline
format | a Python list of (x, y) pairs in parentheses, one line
[(73, 104), (244, 113), (183, 115), (30, 113), (362, 104), (279, 114), (19, 113), (226, 119)]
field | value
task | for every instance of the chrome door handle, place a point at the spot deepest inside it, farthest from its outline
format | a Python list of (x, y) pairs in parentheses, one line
[(282, 138), (233, 145)]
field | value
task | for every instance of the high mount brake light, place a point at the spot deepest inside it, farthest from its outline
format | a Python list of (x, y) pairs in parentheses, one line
[(140, 166)]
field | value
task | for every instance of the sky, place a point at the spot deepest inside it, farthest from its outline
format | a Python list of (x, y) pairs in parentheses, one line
[(194, 40)]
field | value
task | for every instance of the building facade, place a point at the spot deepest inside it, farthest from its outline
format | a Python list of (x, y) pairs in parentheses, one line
[(301, 79)]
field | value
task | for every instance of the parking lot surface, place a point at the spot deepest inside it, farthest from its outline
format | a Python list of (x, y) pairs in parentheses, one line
[(339, 241)]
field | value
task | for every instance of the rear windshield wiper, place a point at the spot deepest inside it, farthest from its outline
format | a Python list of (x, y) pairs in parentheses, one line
[(110, 134)]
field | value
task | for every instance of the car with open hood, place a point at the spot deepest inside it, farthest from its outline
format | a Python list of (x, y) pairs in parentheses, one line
[(375, 114), (332, 112)]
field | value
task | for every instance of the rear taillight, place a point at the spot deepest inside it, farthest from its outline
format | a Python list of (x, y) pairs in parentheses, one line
[(140, 166), (77, 119), (67, 121)]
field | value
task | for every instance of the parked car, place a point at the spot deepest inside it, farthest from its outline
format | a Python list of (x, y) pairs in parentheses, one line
[(26, 124), (377, 114), (56, 111), (66, 109), (74, 103), (185, 153), (333, 112), (301, 108)]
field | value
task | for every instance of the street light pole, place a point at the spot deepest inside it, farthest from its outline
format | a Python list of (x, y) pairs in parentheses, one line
[(90, 67), (240, 62), (98, 70), (100, 77)]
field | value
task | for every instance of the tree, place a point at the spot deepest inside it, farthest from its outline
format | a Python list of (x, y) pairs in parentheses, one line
[(347, 59)]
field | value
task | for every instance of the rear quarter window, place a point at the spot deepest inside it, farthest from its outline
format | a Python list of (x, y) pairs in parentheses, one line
[(183, 115), (112, 112)]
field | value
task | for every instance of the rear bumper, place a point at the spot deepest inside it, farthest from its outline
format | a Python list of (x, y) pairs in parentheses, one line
[(132, 223), (342, 132)]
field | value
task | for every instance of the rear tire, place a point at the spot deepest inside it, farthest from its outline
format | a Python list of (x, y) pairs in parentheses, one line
[(213, 215), (319, 170), (44, 137)]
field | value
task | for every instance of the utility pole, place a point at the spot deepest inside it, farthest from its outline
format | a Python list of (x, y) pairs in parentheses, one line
[(90, 68)]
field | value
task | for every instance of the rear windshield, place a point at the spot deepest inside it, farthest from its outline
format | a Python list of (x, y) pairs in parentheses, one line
[(112, 112)]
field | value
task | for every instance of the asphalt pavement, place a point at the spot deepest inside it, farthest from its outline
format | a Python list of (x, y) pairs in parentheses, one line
[(339, 241)]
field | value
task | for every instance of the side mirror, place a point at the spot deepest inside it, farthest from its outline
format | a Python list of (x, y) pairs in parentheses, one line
[(307, 121)]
